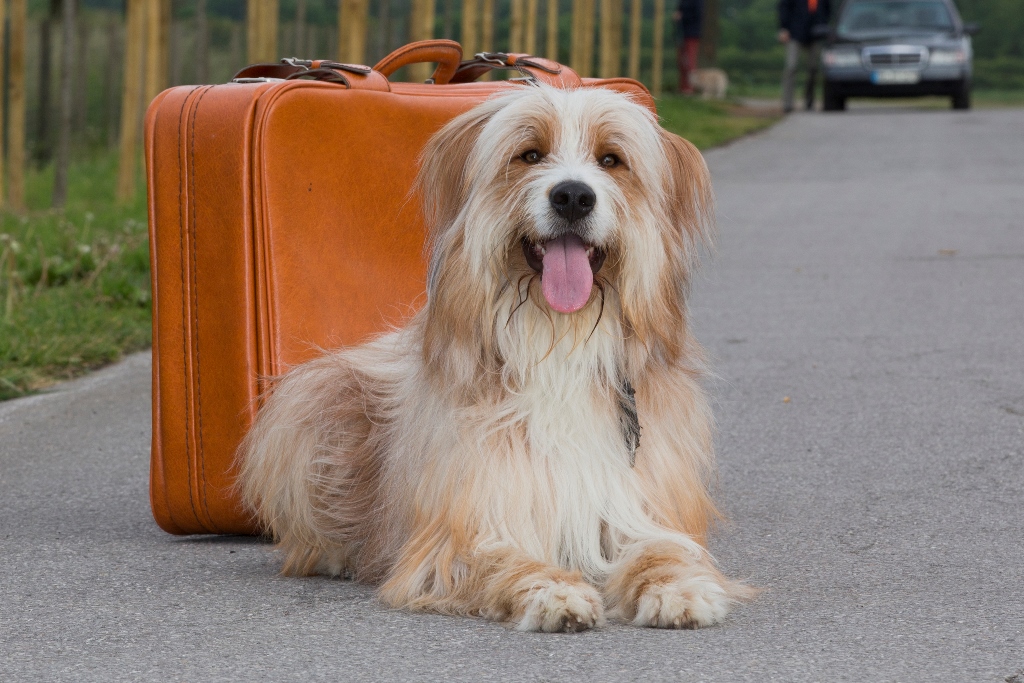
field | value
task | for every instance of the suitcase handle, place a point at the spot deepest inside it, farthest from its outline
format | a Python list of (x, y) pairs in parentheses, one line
[(531, 68), (447, 54)]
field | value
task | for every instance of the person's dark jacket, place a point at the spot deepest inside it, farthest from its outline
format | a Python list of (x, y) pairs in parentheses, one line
[(796, 17), (692, 12)]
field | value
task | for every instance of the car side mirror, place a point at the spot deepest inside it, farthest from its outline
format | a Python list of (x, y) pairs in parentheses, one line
[(972, 27)]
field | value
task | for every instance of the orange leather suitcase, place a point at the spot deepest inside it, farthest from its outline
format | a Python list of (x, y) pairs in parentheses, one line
[(281, 223)]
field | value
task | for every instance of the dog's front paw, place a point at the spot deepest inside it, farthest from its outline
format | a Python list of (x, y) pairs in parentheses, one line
[(687, 601), (561, 606)]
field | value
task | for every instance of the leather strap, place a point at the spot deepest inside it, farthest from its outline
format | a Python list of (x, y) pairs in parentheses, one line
[(530, 66), (447, 54), (355, 76)]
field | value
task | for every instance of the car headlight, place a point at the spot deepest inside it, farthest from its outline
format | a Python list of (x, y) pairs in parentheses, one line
[(841, 58), (947, 57)]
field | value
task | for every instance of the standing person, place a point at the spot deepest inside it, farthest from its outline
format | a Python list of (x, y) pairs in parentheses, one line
[(688, 19), (802, 25)]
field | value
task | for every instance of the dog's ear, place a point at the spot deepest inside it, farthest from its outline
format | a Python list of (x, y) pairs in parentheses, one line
[(442, 180), (688, 196)]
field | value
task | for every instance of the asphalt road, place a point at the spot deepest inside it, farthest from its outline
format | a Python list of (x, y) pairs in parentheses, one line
[(870, 268)]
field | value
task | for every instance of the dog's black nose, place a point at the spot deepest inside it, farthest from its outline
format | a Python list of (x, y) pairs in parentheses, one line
[(572, 200)]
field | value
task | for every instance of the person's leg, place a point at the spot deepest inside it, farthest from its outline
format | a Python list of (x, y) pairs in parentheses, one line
[(789, 73), (692, 48), (813, 57), (681, 67)]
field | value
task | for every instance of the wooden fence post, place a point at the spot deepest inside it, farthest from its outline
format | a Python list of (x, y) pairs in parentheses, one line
[(300, 30), (16, 107), (131, 97), (470, 22), (421, 27), (261, 19), (635, 18), (352, 19), (3, 21), (658, 56), (43, 152), (67, 84), (158, 13), (515, 27), (202, 43), (611, 38), (589, 17), (552, 43), (530, 42), (487, 27)]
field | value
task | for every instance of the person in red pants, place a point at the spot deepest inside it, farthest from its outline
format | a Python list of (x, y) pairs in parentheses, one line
[(688, 19)]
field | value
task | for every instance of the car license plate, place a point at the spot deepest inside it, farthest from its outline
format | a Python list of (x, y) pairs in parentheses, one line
[(895, 77)]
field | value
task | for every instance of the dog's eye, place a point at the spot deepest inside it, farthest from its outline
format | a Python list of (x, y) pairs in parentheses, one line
[(531, 157), (610, 161)]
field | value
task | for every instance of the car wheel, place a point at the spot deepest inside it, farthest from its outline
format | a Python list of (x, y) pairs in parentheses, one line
[(962, 95), (832, 100)]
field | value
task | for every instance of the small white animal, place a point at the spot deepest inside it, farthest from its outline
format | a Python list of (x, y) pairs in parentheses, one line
[(712, 84)]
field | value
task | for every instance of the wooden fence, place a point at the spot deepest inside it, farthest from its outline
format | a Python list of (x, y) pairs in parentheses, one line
[(82, 84)]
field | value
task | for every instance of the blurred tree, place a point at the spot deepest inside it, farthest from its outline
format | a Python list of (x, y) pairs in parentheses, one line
[(709, 34), (67, 82), (17, 28)]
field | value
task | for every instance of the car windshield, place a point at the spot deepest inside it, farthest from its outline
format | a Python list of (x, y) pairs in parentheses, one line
[(894, 16)]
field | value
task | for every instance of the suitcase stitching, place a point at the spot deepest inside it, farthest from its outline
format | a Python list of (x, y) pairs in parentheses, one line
[(195, 288), (184, 299)]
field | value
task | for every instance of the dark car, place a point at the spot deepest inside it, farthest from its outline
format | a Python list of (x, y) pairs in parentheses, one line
[(898, 48)]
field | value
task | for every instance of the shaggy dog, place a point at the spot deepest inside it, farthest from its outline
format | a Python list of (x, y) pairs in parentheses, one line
[(488, 458)]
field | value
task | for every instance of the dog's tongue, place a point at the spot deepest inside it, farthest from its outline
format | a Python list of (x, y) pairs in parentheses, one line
[(567, 278)]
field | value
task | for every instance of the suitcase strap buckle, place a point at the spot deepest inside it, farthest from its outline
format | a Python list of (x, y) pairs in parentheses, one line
[(504, 60)]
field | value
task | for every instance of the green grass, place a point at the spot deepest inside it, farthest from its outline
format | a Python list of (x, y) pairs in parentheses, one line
[(74, 284), (711, 123)]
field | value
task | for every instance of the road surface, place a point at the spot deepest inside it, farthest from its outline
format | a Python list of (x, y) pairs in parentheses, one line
[(865, 316)]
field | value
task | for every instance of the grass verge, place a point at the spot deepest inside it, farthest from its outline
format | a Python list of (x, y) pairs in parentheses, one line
[(708, 123), (74, 284)]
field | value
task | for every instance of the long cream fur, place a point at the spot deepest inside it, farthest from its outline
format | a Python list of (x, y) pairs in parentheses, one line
[(474, 462)]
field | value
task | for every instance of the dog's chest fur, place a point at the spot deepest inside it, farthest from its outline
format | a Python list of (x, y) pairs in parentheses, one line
[(545, 467)]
